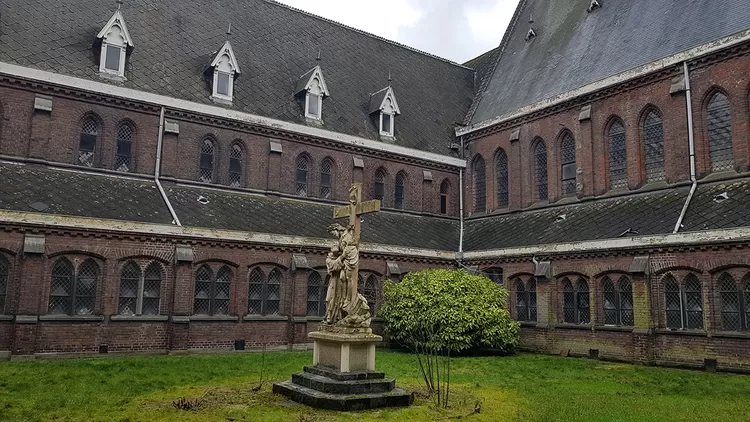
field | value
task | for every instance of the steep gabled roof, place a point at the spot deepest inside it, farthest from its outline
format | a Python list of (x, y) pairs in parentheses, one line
[(573, 47), (275, 45)]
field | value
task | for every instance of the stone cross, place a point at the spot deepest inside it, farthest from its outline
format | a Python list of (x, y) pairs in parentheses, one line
[(354, 211)]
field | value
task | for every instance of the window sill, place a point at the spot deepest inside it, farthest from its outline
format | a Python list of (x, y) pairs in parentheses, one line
[(619, 328), (566, 326), (72, 318), (731, 334), (531, 324), (213, 318), (141, 318), (6, 317), (695, 333), (221, 100), (265, 318), (308, 319)]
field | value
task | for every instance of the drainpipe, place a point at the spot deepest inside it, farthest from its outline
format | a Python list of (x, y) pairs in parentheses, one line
[(461, 204), (157, 171), (691, 140)]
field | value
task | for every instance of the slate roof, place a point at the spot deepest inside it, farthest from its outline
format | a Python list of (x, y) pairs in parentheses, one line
[(175, 41), (574, 48)]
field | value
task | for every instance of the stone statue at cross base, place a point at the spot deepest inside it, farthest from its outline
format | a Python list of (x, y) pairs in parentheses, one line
[(344, 309)]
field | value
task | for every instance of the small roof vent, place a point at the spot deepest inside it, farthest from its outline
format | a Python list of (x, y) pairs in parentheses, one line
[(593, 5), (531, 34), (721, 197), (203, 200)]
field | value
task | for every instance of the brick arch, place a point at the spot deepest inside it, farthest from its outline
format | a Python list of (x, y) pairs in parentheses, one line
[(144, 256), (216, 261), (69, 252)]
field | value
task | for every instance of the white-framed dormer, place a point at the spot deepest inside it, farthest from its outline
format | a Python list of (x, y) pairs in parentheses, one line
[(115, 42), (384, 103), (313, 85), (225, 71)]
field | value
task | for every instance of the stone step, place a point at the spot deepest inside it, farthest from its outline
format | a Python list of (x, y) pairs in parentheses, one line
[(343, 376), (343, 402), (329, 385)]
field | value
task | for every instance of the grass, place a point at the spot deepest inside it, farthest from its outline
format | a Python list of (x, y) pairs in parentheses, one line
[(518, 388)]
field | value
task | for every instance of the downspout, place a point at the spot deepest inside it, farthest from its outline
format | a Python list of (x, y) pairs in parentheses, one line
[(157, 171), (461, 204), (691, 140)]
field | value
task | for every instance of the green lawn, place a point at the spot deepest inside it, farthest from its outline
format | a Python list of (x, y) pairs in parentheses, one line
[(518, 388)]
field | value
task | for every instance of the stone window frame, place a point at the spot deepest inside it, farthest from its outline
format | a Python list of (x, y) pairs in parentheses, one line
[(78, 270), (6, 271), (479, 183), (219, 274), (674, 297), (144, 266), (265, 284), (316, 284), (623, 316)]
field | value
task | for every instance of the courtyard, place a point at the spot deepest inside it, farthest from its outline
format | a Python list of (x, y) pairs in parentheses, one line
[(220, 387)]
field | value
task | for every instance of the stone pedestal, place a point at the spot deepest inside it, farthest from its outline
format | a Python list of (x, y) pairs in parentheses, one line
[(344, 352)]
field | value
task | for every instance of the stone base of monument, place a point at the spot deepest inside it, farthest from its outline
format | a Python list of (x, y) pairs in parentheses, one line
[(343, 374)]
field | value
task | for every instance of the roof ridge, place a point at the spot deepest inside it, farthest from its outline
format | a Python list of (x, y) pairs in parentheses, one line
[(369, 34)]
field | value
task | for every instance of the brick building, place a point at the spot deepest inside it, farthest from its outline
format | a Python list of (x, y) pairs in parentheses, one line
[(167, 183)]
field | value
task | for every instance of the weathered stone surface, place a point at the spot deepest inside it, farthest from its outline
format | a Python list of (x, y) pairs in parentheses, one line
[(343, 402)]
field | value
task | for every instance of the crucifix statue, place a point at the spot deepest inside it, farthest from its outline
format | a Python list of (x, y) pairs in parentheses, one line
[(345, 306)]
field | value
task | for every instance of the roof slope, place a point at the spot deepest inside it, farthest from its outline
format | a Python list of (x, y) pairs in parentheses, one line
[(574, 48), (175, 41)]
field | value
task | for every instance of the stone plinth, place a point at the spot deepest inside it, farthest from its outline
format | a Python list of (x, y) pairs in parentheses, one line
[(345, 352)]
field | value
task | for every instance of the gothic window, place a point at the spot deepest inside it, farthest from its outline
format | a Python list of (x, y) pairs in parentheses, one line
[(568, 164), (206, 174), (301, 177), (540, 171), (444, 190), (618, 171), (123, 160), (264, 294), (526, 300), (235, 166), (618, 302), (480, 191), (73, 292), (683, 304), (368, 287), (87, 143), (653, 144), (316, 295), (140, 292), (399, 191), (379, 185), (576, 302), (531, 291), (212, 291), (4, 275), (735, 304), (326, 179), (501, 173), (720, 133)]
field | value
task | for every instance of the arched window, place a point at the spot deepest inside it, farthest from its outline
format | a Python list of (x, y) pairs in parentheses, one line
[(326, 179), (123, 160), (399, 191), (683, 305), (501, 173), (540, 171), (4, 275), (734, 304), (653, 145), (618, 170), (87, 142), (531, 291), (720, 133), (522, 301), (368, 287), (379, 185), (206, 173), (212, 291), (140, 292), (235, 166), (445, 188), (264, 294), (576, 302), (480, 191), (618, 303), (303, 168), (73, 293), (316, 295), (568, 164)]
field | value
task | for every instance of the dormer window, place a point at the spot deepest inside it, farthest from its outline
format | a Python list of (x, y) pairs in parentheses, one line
[(384, 103), (115, 41), (313, 86), (225, 70)]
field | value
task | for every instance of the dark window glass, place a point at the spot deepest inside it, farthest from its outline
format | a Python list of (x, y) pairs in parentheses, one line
[(399, 191), (151, 291), (673, 303), (379, 185), (273, 295), (576, 302), (569, 302), (683, 306), (313, 102), (73, 293), (610, 302), (303, 167), (326, 172), (235, 166), (315, 295), (731, 304), (4, 274), (124, 147), (618, 303), (444, 189), (61, 288), (568, 160), (222, 81), (653, 143), (540, 171), (130, 278), (87, 143), (139, 293), (212, 292), (386, 129), (693, 302), (207, 161), (720, 133), (625, 295), (618, 172), (501, 170), (480, 191), (112, 58), (264, 294), (255, 292), (522, 302), (531, 289)]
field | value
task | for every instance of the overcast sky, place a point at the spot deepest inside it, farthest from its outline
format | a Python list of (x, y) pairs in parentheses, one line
[(458, 30)]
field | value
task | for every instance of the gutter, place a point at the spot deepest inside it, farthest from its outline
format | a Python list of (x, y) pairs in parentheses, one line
[(157, 170), (691, 141)]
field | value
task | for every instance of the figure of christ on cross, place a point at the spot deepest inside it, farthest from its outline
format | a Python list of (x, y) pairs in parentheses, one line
[(355, 210)]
